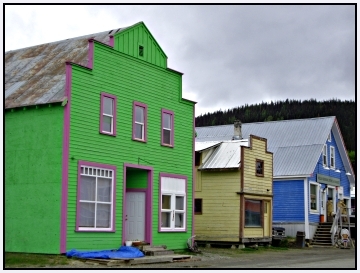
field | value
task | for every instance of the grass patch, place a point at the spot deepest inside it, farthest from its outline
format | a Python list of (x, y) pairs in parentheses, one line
[(33, 260)]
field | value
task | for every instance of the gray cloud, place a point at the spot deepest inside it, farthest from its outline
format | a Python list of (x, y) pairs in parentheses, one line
[(231, 54)]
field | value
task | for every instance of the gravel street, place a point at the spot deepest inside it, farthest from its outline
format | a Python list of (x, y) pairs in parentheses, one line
[(313, 257)]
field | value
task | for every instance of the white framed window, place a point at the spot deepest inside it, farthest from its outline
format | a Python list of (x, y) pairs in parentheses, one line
[(332, 157), (314, 197), (108, 114), (167, 128), (172, 203), (139, 121), (325, 162), (95, 197), (329, 137)]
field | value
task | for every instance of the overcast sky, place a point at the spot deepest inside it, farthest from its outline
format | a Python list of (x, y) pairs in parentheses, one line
[(231, 55)]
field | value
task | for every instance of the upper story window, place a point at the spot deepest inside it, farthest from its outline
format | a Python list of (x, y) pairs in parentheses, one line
[(95, 197), (167, 128), (141, 50), (325, 155), (329, 137), (139, 121), (259, 167), (108, 114), (332, 157)]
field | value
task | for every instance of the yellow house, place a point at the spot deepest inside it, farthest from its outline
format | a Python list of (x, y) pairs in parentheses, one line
[(233, 191)]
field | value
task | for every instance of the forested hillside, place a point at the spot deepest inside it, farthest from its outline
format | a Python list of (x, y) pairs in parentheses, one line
[(345, 112)]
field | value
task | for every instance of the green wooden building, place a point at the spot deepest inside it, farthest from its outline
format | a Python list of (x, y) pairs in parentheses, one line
[(98, 145)]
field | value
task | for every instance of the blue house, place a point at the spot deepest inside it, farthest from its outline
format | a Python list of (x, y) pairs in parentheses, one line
[(312, 170)]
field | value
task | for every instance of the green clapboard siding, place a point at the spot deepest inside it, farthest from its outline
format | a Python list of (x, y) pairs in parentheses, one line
[(129, 79), (33, 158), (128, 41)]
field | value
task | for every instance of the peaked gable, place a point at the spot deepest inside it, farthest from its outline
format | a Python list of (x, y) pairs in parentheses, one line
[(137, 41), (296, 144)]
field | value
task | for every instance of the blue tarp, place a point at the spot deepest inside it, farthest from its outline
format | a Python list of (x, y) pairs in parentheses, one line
[(122, 252)]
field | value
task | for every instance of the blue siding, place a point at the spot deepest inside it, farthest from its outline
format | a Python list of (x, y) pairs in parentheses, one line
[(288, 201), (344, 181)]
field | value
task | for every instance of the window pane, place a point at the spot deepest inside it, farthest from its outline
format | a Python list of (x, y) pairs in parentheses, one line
[(87, 188), (106, 124), (179, 203), (138, 131), (198, 205), (252, 213), (139, 114), (166, 136), (330, 193), (166, 202), (165, 219), (166, 121), (104, 190), (108, 106), (87, 214), (179, 220), (103, 216), (313, 197)]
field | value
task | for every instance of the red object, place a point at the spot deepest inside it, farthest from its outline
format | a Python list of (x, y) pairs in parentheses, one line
[(322, 219)]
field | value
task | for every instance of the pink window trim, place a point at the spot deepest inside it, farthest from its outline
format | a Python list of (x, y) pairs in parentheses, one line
[(96, 165), (136, 103), (186, 195), (101, 113), (171, 113)]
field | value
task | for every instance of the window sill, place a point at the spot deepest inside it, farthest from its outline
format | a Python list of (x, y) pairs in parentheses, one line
[(94, 230), (139, 140), (106, 133), (167, 145)]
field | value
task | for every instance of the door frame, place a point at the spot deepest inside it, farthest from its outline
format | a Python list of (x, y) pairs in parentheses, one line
[(148, 201)]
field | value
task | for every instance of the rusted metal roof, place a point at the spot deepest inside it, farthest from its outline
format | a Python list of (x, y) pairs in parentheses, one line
[(36, 75)]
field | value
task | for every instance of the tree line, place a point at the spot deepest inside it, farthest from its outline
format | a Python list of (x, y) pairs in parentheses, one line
[(345, 112)]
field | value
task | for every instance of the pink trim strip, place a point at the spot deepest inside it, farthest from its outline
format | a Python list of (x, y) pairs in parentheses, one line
[(111, 41), (65, 160), (90, 63), (193, 180)]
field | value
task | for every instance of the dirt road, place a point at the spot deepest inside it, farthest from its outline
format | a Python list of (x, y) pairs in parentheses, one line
[(235, 258)]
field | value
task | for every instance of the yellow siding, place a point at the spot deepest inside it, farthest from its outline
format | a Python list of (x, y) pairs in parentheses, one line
[(253, 232), (221, 212), (198, 181), (253, 183)]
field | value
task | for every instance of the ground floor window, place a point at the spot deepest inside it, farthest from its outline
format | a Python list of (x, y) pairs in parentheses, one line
[(95, 197), (172, 202), (314, 197), (253, 213)]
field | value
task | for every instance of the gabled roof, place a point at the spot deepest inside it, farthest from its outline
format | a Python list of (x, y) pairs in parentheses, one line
[(36, 75), (296, 144), (226, 156), (201, 146)]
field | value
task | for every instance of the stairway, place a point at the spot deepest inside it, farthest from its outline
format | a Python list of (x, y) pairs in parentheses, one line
[(322, 236)]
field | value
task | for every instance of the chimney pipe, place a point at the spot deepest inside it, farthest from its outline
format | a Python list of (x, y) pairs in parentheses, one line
[(237, 130)]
